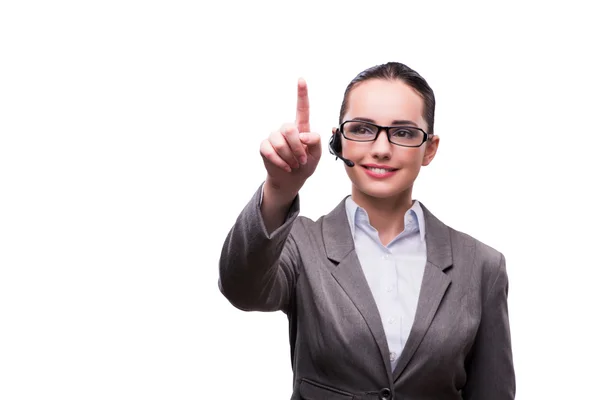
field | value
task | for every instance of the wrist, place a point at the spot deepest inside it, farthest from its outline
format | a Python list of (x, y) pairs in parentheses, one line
[(276, 196)]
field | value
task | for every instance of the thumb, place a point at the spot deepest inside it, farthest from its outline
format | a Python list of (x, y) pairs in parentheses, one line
[(312, 141)]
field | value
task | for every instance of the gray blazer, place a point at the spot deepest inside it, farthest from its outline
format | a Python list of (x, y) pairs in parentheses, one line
[(459, 346)]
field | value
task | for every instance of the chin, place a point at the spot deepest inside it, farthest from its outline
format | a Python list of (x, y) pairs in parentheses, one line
[(383, 190), (382, 193)]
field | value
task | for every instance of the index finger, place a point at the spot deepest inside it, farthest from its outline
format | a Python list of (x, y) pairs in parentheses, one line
[(302, 107)]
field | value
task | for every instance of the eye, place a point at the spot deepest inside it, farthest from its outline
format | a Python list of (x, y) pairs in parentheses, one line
[(360, 129), (364, 129), (403, 132)]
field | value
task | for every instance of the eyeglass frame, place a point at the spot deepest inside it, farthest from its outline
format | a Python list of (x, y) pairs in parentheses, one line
[(426, 136)]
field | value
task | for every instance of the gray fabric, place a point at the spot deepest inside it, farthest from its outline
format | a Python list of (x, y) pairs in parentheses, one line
[(459, 346)]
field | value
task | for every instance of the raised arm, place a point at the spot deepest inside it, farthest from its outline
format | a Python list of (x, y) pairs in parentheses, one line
[(258, 264)]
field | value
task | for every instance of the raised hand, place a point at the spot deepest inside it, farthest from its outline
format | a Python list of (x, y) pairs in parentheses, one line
[(292, 153)]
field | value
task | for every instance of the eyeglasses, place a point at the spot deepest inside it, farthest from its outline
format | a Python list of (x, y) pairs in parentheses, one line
[(361, 131)]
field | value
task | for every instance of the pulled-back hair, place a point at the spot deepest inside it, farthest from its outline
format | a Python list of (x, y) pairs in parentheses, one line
[(392, 71)]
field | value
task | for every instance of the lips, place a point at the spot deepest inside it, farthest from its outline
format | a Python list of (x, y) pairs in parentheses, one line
[(379, 171)]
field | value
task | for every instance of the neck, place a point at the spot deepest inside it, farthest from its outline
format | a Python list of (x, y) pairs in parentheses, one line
[(385, 214)]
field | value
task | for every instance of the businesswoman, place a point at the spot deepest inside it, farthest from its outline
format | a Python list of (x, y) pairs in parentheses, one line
[(384, 300)]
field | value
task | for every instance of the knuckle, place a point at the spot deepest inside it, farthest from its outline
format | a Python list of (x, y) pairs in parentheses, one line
[(280, 146), (274, 136), (289, 130), (264, 147)]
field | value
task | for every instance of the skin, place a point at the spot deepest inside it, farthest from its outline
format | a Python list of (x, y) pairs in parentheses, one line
[(292, 153)]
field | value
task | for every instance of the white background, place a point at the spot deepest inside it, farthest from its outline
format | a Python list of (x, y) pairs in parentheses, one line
[(130, 136)]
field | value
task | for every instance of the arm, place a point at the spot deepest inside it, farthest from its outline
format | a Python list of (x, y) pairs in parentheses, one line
[(490, 372), (258, 264), (257, 268)]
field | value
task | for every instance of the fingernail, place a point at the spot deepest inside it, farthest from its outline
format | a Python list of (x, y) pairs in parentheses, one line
[(303, 160)]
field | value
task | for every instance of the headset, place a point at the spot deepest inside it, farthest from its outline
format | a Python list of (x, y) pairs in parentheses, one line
[(335, 147)]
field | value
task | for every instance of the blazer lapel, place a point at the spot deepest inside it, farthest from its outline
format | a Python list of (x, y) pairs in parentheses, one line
[(347, 271), (434, 285)]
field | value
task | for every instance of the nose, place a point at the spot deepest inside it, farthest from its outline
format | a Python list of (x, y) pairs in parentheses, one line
[(381, 148)]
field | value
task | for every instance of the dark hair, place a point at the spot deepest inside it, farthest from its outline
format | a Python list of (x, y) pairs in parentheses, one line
[(392, 71)]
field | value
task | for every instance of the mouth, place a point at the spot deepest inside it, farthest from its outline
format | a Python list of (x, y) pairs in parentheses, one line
[(379, 171)]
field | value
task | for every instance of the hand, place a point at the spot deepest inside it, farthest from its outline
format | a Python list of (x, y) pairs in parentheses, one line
[(292, 153)]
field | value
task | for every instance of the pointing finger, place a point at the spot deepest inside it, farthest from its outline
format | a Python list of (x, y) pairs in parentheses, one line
[(302, 107)]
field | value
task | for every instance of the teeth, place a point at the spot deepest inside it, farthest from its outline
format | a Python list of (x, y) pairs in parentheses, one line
[(378, 170)]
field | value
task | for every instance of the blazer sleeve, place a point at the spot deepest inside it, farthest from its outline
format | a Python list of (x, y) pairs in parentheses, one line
[(257, 271), (490, 371)]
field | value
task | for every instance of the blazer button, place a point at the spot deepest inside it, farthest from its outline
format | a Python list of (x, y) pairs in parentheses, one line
[(385, 394)]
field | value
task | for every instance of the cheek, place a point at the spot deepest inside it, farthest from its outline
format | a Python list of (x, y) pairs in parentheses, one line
[(409, 157), (352, 150)]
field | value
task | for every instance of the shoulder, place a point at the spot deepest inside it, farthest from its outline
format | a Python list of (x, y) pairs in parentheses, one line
[(481, 251), (462, 243), (470, 255), (485, 264)]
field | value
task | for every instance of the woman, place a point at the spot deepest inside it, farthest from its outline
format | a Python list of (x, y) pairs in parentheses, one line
[(384, 300)]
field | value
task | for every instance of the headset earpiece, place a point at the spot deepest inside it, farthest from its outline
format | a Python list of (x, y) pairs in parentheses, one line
[(335, 147), (335, 143)]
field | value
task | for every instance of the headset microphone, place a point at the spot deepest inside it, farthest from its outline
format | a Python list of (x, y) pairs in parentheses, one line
[(345, 160), (334, 144)]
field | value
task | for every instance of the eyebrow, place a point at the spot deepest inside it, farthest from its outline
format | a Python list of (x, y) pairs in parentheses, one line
[(394, 122)]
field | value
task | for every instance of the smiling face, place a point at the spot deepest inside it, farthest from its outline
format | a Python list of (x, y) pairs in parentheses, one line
[(384, 170)]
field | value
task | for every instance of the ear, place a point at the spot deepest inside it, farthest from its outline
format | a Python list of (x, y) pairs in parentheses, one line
[(431, 147)]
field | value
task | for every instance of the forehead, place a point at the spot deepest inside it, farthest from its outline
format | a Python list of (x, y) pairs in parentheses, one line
[(385, 101)]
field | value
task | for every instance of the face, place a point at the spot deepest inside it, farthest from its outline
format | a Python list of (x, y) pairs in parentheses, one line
[(383, 102)]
